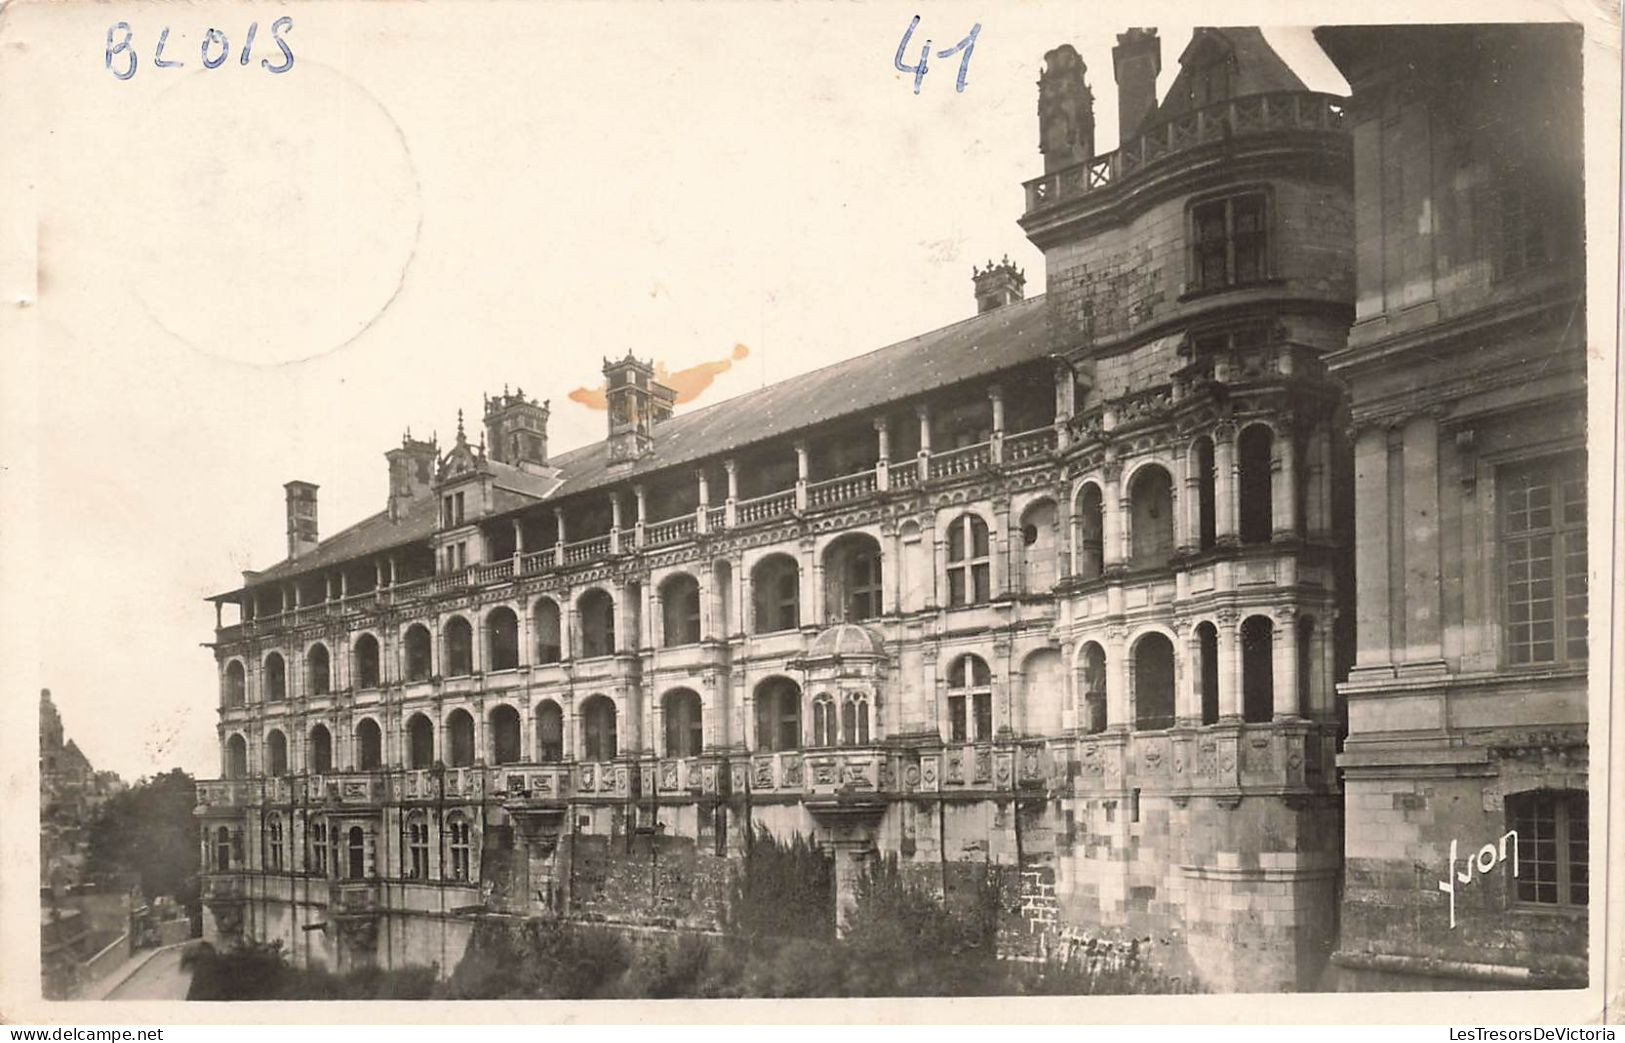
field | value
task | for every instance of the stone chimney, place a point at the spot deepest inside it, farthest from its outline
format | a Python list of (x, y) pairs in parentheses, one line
[(411, 473), (1066, 110), (516, 430), (637, 402), (301, 499), (1136, 61), (998, 284)]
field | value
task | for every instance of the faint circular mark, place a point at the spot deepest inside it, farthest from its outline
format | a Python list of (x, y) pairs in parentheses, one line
[(275, 217)]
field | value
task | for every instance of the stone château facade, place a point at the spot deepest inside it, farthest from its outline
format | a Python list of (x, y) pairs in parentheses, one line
[(1062, 589), (1466, 374)]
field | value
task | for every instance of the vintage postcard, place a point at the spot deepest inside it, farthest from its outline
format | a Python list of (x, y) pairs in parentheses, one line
[(1087, 512)]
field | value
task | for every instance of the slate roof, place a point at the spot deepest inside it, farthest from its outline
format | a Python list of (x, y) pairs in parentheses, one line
[(979, 346), (1258, 69)]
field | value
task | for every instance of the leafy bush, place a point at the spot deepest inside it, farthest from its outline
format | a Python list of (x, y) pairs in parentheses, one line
[(539, 959), (261, 971), (782, 889)]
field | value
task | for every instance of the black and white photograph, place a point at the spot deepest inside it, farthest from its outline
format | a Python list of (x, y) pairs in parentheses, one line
[(699, 501)]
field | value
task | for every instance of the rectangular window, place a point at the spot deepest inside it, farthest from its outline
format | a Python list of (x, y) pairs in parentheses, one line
[(1553, 848), (956, 718), (1521, 227), (318, 849), (863, 590), (417, 850), (461, 862), (788, 606), (1229, 242), (1543, 542), (984, 715), (458, 504)]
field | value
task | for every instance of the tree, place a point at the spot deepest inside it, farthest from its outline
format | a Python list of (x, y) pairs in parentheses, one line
[(149, 832)]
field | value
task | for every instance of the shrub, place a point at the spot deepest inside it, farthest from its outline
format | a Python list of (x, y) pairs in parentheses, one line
[(260, 971), (782, 889)]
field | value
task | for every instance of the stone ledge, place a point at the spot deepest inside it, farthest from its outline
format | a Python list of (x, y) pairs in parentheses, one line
[(1565, 972)]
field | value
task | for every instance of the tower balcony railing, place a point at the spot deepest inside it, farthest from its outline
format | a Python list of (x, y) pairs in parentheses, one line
[(1252, 115), (533, 781), (687, 777), (354, 897), (762, 508), (842, 489), (348, 788), (221, 887), (831, 772), (495, 572), (965, 460), (674, 530), (586, 550), (1029, 444), (1282, 756), (229, 793), (901, 474), (605, 778), (537, 561), (813, 773)]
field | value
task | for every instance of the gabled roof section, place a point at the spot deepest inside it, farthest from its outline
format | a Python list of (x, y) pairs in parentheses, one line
[(368, 536), (1255, 68), (979, 346)]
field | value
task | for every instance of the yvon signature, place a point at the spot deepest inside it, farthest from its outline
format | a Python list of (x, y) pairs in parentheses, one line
[(1487, 858)]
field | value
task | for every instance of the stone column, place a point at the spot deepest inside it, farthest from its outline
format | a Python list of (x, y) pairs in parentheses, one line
[(1119, 711), (1371, 532), (883, 460), (812, 586), (1224, 482), (1065, 394), (891, 568), (614, 523), (1111, 536), (567, 623), (1183, 504), (937, 592), (995, 395), (1314, 521), (852, 857), (1323, 487), (729, 517), (1004, 688), (999, 548), (1188, 696), (1229, 665), (801, 476), (1284, 485), (923, 412), (1066, 540), (1423, 649), (702, 512), (1285, 665), (558, 528), (518, 541)]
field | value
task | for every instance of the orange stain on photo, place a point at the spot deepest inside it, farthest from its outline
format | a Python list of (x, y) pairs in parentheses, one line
[(689, 383)]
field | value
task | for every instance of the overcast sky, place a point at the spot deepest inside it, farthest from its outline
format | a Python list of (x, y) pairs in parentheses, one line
[(247, 278)]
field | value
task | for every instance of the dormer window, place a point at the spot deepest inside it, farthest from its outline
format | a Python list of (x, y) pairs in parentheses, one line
[(1212, 81), (451, 510)]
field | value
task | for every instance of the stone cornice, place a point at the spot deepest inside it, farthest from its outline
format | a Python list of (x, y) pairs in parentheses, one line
[(1452, 332)]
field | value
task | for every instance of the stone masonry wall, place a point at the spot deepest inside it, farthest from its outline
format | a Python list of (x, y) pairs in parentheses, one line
[(1120, 279), (1399, 834)]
